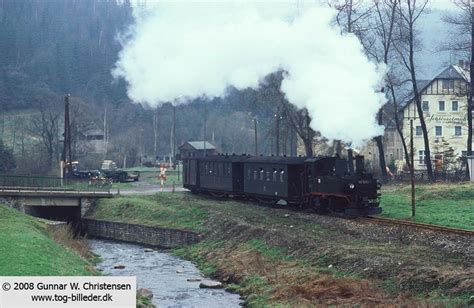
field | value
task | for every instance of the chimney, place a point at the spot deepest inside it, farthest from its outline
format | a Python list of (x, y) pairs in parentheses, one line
[(461, 64)]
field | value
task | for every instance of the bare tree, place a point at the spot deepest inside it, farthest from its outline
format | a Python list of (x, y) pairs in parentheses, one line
[(46, 126), (353, 16), (378, 46), (409, 12), (391, 87), (79, 123)]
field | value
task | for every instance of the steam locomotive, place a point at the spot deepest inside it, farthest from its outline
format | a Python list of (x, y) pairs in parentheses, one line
[(325, 184)]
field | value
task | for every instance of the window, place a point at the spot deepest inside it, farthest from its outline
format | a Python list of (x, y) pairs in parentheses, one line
[(249, 174), (425, 106), (421, 157), (448, 84), (457, 130), (282, 173), (255, 175), (454, 106), (438, 131), (441, 105), (261, 174), (274, 177), (418, 132), (268, 176)]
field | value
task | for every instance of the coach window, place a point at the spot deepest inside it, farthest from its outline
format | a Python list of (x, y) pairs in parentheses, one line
[(249, 174), (229, 169), (255, 175), (261, 174), (274, 176), (282, 174), (268, 176)]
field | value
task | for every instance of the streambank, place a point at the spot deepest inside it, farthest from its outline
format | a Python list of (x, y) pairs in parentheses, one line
[(276, 256), (28, 248)]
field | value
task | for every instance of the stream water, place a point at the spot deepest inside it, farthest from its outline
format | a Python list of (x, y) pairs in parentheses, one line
[(163, 274)]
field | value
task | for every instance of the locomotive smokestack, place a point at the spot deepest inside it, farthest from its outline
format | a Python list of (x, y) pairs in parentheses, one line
[(360, 167), (350, 160)]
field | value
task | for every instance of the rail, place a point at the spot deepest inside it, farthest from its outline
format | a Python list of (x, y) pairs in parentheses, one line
[(418, 225)]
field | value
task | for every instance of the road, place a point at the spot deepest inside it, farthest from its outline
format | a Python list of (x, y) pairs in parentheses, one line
[(144, 188)]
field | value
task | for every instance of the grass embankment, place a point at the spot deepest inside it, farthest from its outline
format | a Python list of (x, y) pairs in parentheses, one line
[(449, 205), (279, 257), (164, 209), (27, 249)]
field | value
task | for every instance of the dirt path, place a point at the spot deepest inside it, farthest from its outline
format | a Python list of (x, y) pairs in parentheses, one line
[(145, 188)]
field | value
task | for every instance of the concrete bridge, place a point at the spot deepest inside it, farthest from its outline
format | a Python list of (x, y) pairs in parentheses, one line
[(53, 203)]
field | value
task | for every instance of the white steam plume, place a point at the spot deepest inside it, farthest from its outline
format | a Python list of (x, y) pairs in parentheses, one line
[(193, 49)]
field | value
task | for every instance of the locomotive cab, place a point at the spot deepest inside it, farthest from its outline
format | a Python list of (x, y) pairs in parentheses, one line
[(334, 185)]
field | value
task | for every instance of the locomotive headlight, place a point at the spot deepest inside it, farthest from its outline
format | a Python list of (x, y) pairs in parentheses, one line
[(351, 186)]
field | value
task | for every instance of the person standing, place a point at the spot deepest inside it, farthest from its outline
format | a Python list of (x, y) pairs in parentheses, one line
[(162, 177)]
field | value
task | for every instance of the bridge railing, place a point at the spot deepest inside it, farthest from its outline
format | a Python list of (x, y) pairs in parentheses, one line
[(49, 182)]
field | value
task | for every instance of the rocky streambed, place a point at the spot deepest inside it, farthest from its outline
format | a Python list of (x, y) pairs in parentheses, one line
[(174, 282)]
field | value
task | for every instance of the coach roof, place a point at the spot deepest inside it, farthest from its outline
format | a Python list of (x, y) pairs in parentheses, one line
[(276, 160)]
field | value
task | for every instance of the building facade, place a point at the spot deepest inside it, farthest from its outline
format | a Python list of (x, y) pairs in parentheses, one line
[(444, 104), (197, 149)]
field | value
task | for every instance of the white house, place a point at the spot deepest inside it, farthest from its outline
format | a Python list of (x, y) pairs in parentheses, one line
[(444, 104)]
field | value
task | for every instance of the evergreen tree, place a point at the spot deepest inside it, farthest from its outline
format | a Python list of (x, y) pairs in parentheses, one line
[(7, 161)]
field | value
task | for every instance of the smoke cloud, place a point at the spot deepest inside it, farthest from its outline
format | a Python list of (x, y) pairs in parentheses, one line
[(178, 51)]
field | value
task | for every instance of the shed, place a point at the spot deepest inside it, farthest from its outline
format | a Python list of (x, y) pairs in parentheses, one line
[(196, 149)]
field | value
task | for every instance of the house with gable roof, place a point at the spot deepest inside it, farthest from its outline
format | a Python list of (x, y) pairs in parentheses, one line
[(444, 104)]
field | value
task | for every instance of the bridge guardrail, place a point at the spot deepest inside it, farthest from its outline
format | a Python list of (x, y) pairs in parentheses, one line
[(50, 182)]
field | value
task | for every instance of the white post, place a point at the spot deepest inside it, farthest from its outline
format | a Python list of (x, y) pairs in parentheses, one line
[(470, 164)]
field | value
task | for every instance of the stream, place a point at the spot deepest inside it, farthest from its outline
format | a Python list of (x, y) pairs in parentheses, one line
[(163, 274)]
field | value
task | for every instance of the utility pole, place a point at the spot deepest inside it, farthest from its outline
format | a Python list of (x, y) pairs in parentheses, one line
[(412, 171), (278, 131), (256, 136), (285, 136), (65, 163), (174, 138), (205, 123), (471, 87), (105, 132), (155, 135)]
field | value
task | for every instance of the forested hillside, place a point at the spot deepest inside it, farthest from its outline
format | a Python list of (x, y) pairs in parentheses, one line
[(52, 48), (59, 46)]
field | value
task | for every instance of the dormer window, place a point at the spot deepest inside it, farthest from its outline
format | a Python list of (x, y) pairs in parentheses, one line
[(448, 84)]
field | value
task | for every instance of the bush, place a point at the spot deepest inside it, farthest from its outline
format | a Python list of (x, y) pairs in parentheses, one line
[(7, 161)]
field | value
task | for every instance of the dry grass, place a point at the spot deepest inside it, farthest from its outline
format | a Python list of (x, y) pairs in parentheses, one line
[(288, 282), (63, 234)]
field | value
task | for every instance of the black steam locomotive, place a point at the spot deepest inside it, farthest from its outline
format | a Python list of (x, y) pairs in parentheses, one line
[(327, 184)]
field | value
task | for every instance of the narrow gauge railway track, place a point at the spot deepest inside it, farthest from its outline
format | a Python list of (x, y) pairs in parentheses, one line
[(388, 221), (368, 219)]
